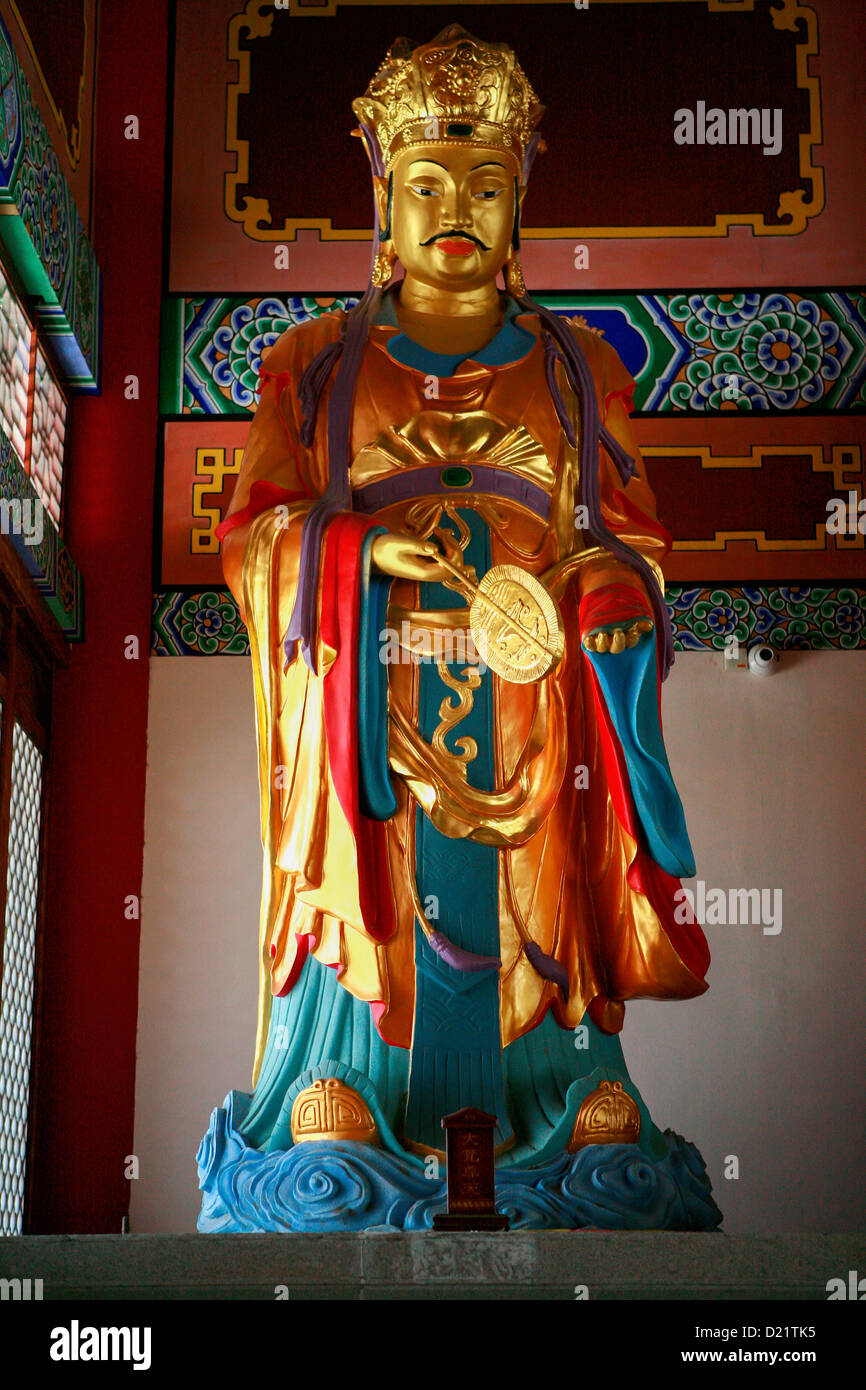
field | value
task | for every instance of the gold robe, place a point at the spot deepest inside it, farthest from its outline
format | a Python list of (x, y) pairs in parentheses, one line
[(563, 854)]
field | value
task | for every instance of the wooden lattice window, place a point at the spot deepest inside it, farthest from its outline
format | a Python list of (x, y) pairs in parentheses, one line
[(33, 407), (47, 435), (16, 340), (25, 682)]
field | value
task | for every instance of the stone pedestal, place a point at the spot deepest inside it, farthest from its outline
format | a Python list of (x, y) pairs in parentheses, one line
[(537, 1265)]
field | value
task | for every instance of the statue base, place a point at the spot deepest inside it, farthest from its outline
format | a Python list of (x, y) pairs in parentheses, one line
[(341, 1185)]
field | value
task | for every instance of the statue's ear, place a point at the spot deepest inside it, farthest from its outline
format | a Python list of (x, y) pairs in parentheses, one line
[(383, 185), (380, 191), (383, 188)]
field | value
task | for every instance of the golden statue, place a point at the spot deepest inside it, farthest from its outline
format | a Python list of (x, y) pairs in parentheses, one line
[(445, 549)]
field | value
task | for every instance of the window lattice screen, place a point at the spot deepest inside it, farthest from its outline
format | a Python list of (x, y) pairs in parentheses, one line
[(16, 990), (47, 437), (15, 339)]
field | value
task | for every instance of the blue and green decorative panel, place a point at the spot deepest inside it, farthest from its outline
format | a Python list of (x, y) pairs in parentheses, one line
[(39, 545), (751, 351), (206, 622), (203, 622), (799, 617), (762, 352), (42, 231), (211, 349), (709, 353)]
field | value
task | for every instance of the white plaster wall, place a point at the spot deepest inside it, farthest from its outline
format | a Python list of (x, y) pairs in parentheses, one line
[(199, 924), (767, 1066)]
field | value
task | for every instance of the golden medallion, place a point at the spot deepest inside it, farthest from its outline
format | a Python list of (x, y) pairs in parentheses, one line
[(515, 622), (516, 625)]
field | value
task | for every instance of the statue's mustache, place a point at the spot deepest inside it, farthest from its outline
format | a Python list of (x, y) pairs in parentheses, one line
[(452, 236)]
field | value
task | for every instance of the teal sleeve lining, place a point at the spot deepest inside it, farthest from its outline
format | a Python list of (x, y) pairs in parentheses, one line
[(628, 684), (376, 795)]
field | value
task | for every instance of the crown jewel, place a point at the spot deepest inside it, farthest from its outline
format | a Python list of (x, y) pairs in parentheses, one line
[(454, 88)]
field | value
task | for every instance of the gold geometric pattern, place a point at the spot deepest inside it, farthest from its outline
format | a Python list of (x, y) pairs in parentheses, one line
[(608, 1115), (844, 459), (332, 1110), (210, 465)]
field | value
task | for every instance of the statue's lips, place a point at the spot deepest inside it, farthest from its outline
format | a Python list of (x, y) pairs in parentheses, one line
[(458, 247)]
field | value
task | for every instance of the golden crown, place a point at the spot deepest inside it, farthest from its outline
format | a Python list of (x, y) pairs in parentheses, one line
[(455, 89)]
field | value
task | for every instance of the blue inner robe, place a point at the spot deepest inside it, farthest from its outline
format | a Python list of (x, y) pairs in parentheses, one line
[(456, 1043)]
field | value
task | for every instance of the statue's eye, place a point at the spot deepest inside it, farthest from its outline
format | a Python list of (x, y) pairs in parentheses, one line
[(489, 193), (425, 192)]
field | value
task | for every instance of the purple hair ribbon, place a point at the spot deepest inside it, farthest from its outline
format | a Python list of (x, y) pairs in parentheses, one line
[(347, 351), (592, 434)]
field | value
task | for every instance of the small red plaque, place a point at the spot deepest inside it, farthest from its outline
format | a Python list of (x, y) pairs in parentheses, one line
[(471, 1175)]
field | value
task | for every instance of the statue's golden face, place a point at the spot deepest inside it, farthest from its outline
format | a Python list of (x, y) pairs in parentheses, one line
[(452, 213)]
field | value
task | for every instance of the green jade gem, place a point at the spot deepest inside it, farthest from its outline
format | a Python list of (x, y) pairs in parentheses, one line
[(456, 476)]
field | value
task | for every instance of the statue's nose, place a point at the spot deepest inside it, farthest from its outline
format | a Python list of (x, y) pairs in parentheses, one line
[(456, 211)]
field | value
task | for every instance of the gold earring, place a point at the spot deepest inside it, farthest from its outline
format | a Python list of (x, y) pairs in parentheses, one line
[(514, 280), (383, 265)]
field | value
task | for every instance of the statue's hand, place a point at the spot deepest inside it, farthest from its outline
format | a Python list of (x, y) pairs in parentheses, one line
[(616, 639), (405, 557)]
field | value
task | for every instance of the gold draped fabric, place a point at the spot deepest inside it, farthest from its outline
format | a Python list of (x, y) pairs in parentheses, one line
[(563, 854)]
